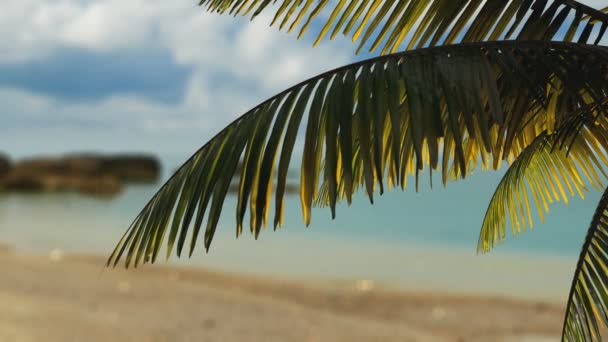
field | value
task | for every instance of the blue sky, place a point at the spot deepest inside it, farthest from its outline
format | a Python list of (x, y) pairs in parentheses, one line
[(140, 75), (82, 75)]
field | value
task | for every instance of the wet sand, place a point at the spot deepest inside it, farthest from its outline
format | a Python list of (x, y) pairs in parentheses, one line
[(73, 298)]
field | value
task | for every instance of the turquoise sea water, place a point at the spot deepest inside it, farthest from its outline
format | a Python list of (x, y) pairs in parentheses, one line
[(426, 239)]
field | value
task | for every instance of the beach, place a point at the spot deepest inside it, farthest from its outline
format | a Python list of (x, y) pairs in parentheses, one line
[(387, 272), (59, 297)]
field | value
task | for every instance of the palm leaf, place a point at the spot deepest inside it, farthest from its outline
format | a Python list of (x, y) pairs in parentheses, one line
[(541, 174), (603, 10), (442, 108), (388, 23), (587, 308)]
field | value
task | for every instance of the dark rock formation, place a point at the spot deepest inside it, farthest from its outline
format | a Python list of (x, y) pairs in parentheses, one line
[(5, 165), (132, 168), (32, 182), (85, 173)]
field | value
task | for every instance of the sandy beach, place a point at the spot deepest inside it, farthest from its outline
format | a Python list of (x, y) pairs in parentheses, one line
[(73, 298)]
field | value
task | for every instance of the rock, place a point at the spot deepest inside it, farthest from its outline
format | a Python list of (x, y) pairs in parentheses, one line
[(132, 168), (99, 186), (67, 166), (5, 165), (126, 167), (40, 182), (16, 181), (90, 174)]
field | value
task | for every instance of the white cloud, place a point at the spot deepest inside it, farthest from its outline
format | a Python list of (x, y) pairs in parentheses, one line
[(235, 65)]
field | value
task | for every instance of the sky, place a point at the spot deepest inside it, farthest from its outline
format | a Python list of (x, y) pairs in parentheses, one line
[(140, 75), (154, 75)]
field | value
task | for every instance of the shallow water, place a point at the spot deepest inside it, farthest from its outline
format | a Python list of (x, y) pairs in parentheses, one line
[(406, 239)]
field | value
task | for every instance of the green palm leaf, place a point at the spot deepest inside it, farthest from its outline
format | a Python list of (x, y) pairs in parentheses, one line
[(587, 308), (390, 116), (388, 23), (603, 10), (541, 174)]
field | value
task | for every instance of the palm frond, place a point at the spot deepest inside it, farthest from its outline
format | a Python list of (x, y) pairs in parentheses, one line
[(388, 23), (603, 10), (587, 308), (544, 173), (392, 116)]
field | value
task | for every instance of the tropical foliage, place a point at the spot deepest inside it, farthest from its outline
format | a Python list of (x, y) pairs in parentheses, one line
[(475, 82), (587, 308)]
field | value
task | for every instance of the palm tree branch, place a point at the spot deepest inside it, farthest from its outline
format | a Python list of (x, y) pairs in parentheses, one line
[(545, 172), (482, 99), (587, 307), (603, 10), (388, 23)]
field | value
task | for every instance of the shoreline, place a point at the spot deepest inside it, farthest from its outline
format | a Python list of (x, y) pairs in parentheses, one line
[(390, 266), (76, 300)]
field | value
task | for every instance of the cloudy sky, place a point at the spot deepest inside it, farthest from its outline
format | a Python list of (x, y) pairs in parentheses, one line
[(140, 75), (134, 75)]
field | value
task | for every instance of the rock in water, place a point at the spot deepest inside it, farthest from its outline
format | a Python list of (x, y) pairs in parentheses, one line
[(5, 165), (90, 174), (127, 168), (132, 168), (39, 182)]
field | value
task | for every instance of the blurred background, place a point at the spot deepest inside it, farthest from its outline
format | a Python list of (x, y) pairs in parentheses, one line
[(102, 100)]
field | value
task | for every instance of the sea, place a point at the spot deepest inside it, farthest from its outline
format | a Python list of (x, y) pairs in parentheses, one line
[(423, 240)]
